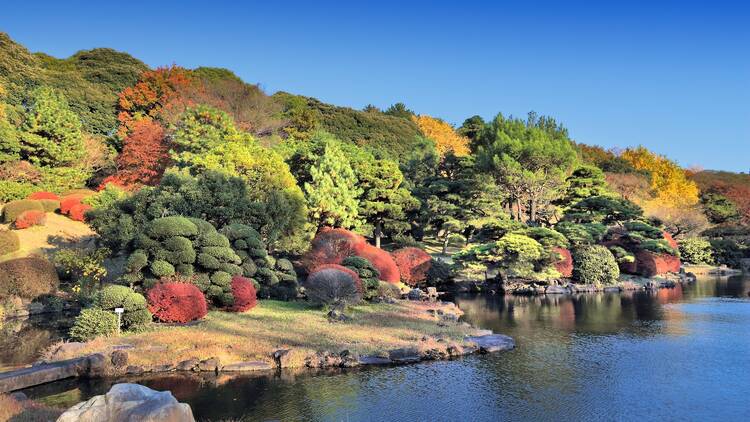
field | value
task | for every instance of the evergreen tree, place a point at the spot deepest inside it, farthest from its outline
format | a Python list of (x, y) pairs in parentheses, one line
[(332, 193)]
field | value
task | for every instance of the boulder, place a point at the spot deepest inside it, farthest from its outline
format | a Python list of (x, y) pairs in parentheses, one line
[(374, 360), (130, 402), (247, 367), (492, 343), (555, 290), (119, 358), (404, 355), (209, 365)]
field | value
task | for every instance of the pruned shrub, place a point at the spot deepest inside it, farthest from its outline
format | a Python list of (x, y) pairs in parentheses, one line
[(43, 195), (28, 277), (9, 242), (331, 246), (136, 315), (69, 201), (165, 227), (352, 273), (92, 323), (595, 265), (563, 265), (288, 287), (171, 301), (413, 265), (50, 205), (245, 297), (13, 209), (387, 290), (331, 287), (78, 212), (367, 272), (30, 218), (383, 261), (696, 251)]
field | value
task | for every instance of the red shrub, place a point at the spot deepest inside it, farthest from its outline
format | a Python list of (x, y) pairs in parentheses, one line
[(30, 218), (668, 237), (78, 212), (355, 276), (43, 195), (413, 264), (650, 264), (245, 296), (331, 246), (176, 302), (67, 202), (565, 265), (381, 260)]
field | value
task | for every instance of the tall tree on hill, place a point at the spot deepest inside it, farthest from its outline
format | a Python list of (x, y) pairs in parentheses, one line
[(445, 137)]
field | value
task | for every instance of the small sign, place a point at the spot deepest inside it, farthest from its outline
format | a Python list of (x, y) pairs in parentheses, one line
[(119, 310)]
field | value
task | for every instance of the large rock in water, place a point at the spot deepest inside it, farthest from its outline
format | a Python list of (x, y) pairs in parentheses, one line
[(130, 403)]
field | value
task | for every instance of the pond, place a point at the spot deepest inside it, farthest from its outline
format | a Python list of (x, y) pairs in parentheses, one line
[(675, 354)]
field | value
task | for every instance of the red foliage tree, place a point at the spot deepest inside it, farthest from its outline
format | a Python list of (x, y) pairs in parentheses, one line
[(565, 265), (78, 212), (381, 260), (355, 276), (176, 302), (43, 195), (69, 201), (413, 264), (331, 246), (30, 218), (144, 156), (245, 296)]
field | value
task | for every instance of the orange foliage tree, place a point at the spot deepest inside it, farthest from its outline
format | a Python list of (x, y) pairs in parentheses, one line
[(145, 155), (445, 137), (669, 181)]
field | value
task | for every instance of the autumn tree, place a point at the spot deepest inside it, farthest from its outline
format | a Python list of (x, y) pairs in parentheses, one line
[(445, 137), (144, 156), (669, 182)]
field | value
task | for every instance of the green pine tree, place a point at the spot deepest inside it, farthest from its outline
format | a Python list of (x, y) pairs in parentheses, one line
[(332, 193)]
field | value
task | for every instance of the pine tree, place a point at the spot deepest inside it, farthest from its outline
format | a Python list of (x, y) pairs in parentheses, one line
[(332, 193)]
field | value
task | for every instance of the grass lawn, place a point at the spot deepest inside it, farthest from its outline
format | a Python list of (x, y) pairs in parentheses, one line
[(253, 335)]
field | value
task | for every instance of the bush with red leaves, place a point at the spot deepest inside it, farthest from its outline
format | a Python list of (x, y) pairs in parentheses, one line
[(43, 195), (30, 218), (245, 296), (413, 264), (565, 265), (381, 260), (69, 201), (649, 264), (78, 212), (354, 275), (331, 246), (668, 237), (176, 302)]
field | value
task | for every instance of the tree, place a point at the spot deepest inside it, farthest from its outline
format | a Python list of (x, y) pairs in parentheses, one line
[(10, 146), (445, 137), (585, 181), (472, 128), (399, 110), (669, 182), (718, 208), (50, 133), (144, 156), (603, 209), (332, 193)]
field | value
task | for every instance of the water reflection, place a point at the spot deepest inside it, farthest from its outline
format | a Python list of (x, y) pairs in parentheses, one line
[(22, 340)]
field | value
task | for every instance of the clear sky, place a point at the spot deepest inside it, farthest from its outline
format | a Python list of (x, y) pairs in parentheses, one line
[(673, 76)]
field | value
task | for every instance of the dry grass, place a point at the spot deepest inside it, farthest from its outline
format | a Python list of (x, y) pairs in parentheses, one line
[(251, 336), (26, 411), (43, 240)]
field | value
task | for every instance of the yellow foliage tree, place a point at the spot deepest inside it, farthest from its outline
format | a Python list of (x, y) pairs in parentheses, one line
[(669, 182), (445, 137)]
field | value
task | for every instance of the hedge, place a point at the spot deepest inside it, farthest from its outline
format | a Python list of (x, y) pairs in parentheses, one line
[(13, 209), (9, 242), (28, 277)]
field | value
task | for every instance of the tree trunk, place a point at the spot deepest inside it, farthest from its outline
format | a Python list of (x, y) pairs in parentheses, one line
[(445, 242), (532, 214), (378, 234), (518, 208)]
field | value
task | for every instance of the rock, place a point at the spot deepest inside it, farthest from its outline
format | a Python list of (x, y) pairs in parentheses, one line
[(404, 355), (167, 367), (69, 348), (612, 289), (119, 358), (414, 294), (492, 343), (130, 402), (208, 365), (481, 332), (134, 370), (188, 365), (556, 290), (454, 350), (94, 366), (247, 366), (19, 396), (337, 316), (374, 360)]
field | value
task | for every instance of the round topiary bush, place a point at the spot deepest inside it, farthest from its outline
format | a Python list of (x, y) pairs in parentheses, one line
[(92, 323), (176, 302), (50, 205), (245, 297), (331, 246), (28, 277), (165, 227), (78, 212), (136, 313), (43, 195), (367, 272), (352, 273), (383, 261), (69, 201), (30, 218), (13, 209), (595, 265), (413, 264), (9, 242), (331, 287)]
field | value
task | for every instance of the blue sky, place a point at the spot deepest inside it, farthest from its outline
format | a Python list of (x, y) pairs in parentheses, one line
[(673, 76)]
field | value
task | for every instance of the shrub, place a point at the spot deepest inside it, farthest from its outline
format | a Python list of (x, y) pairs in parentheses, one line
[(50, 205), (13, 209), (440, 273), (595, 265), (383, 261), (171, 301), (331, 287), (696, 251), (413, 265), (83, 267), (331, 246), (352, 273), (27, 277), (43, 195), (136, 313), (78, 212), (11, 190), (69, 201), (564, 264), (621, 255), (367, 273), (728, 252), (162, 228), (387, 290), (244, 293), (9, 242), (106, 197), (92, 323), (30, 218), (581, 234)]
